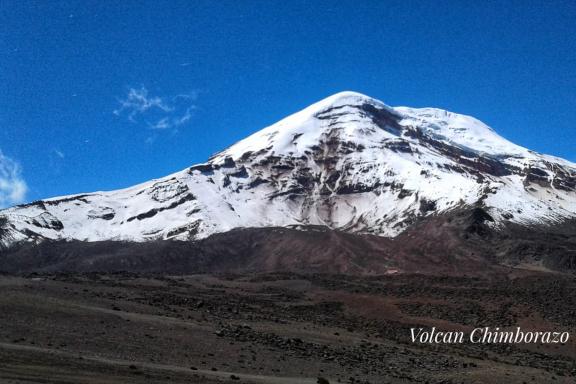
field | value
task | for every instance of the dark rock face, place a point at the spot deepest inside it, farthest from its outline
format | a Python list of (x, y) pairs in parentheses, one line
[(427, 206), (105, 214), (228, 163), (400, 145), (478, 219), (153, 212), (356, 188), (49, 223), (167, 190), (550, 175), (191, 229), (206, 169), (79, 198), (383, 118), (469, 161), (240, 173), (537, 176), (3, 230)]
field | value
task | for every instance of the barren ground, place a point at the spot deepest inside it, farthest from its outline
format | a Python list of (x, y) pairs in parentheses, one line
[(277, 328)]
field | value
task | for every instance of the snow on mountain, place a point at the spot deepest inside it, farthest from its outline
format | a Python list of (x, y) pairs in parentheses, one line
[(348, 162)]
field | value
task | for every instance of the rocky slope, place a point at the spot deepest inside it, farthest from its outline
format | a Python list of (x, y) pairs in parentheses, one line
[(348, 162)]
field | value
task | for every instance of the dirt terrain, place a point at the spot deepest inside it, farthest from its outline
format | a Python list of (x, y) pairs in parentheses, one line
[(278, 328)]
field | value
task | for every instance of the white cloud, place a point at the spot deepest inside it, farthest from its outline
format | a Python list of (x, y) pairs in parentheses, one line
[(155, 112), (163, 123), (13, 188)]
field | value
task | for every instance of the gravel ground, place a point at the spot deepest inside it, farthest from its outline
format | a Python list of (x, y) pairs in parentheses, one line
[(278, 328)]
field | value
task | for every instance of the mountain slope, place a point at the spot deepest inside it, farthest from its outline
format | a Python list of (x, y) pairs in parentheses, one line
[(348, 162), (458, 243)]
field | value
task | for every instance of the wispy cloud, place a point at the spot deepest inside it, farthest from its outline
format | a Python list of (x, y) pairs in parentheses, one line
[(13, 188), (59, 153), (155, 112)]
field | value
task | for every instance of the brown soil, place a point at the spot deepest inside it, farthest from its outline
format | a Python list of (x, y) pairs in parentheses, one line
[(277, 328)]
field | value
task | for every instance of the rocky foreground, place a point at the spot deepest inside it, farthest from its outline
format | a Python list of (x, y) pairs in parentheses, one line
[(278, 328)]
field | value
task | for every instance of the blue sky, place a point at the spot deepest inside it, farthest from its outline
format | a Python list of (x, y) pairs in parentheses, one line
[(98, 95)]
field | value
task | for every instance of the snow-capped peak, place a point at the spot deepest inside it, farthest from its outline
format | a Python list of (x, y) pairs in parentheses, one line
[(461, 129), (349, 162), (341, 99), (301, 130)]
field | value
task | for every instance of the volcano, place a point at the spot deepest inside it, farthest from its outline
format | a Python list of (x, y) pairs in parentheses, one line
[(368, 187)]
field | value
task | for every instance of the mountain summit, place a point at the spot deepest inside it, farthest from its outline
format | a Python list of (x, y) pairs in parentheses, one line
[(348, 162)]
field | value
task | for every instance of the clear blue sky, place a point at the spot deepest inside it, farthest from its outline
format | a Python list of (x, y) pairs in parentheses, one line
[(98, 95)]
